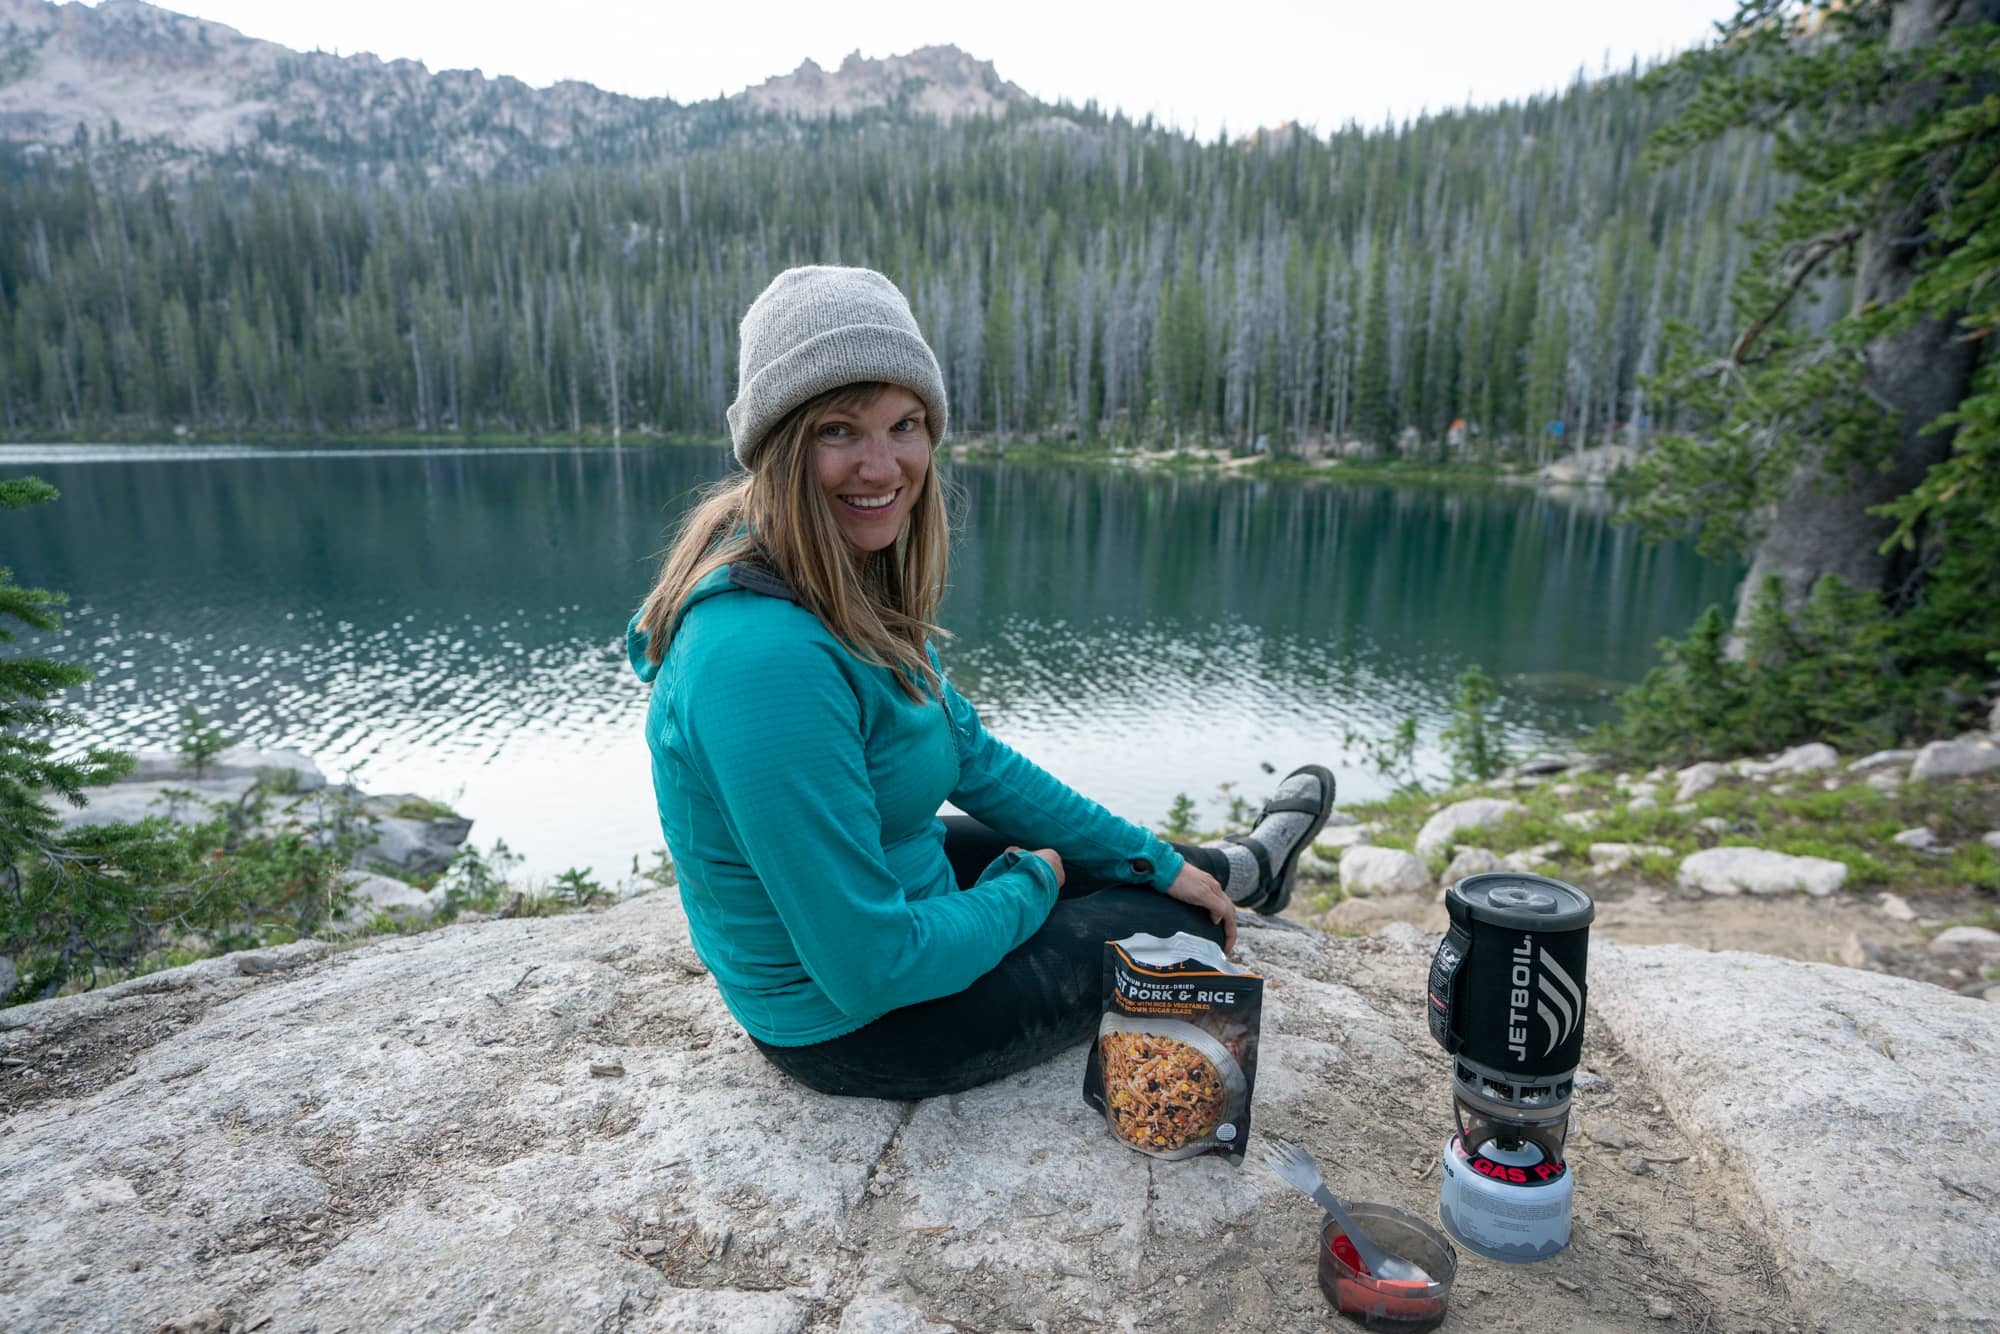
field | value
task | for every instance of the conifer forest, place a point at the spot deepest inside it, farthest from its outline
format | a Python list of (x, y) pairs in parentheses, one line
[(1500, 279)]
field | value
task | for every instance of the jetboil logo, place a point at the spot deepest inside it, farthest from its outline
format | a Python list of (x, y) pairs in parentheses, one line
[(1557, 999)]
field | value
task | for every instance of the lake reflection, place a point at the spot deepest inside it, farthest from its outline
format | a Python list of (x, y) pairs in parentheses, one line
[(449, 622)]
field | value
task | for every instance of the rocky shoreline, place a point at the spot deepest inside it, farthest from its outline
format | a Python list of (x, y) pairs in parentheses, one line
[(1898, 850), (407, 838)]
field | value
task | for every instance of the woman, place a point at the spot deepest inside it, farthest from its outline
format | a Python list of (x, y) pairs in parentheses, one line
[(804, 736)]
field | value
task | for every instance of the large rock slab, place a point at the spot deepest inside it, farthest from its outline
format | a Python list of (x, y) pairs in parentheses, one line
[(1434, 840), (1954, 759), (407, 1136), (288, 768), (1759, 871), (1372, 870), (1858, 1110), (188, 800)]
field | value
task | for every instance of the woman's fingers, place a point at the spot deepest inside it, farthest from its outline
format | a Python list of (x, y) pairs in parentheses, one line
[(1225, 915), (1199, 889)]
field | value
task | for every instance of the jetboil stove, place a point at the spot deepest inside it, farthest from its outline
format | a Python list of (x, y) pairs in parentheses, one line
[(1507, 1001)]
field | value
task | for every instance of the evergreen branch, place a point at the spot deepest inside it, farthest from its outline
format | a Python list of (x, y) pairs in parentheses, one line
[(1815, 253)]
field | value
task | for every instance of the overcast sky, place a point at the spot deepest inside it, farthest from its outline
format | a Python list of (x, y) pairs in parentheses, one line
[(1200, 66)]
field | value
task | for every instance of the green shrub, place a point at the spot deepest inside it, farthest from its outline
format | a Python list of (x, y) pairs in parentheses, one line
[(201, 740), (423, 808), (1179, 824), (1842, 669), (1472, 737), (476, 881), (578, 888), (1393, 757)]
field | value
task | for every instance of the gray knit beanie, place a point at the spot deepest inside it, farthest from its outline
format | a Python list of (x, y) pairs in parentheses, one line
[(818, 328)]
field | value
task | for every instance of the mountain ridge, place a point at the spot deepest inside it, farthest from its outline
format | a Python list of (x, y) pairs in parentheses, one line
[(171, 91)]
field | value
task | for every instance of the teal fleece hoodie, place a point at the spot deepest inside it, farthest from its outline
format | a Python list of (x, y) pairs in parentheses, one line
[(798, 789)]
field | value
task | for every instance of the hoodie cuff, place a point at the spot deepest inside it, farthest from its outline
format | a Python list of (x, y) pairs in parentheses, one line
[(1157, 864)]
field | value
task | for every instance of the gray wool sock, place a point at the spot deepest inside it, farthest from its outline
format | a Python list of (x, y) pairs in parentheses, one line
[(1244, 877), (1278, 832)]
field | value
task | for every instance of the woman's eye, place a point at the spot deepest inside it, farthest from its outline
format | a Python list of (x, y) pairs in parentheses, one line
[(905, 426), (833, 431)]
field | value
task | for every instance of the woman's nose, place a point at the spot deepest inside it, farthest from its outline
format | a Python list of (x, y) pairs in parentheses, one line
[(878, 459)]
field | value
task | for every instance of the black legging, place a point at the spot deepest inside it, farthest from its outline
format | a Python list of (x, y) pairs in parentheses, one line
[(1043, 997)]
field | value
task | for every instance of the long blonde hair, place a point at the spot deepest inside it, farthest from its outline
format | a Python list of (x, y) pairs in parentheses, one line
[(776, 515)]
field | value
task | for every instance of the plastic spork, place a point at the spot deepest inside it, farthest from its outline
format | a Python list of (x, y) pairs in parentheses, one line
[(1297, 1167)]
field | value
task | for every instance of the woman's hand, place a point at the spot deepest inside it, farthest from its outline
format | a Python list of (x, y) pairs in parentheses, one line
[(1199, 889), (1049, 855)]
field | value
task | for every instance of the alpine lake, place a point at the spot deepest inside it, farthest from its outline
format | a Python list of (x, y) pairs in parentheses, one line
[(449, 622)]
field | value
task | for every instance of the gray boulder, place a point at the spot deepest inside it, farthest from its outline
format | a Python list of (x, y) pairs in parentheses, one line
[(188, 800), (1896, 908), (1697, 778), (1976, 942), (1823, 1089), (291, 767), (415, 847), (1470, 861), (1533, 859), (1809, 758), (1344, 836), (371, 894), (1434, 840), (1920, 839), (1954, 759), (1370, 870), (1758, 871)]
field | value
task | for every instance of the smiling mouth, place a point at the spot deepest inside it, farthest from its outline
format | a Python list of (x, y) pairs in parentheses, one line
[(871, 504)]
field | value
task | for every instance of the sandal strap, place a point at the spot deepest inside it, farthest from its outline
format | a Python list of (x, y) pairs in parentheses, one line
[(1303, 805)]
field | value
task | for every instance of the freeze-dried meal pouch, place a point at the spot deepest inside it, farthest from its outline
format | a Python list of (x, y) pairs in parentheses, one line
[(1176, 1055)]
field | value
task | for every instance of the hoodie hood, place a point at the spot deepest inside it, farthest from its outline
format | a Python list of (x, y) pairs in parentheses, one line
[(635, 651), (737, 578)]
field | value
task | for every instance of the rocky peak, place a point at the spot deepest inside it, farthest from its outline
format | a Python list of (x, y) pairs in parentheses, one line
[(940, 81)]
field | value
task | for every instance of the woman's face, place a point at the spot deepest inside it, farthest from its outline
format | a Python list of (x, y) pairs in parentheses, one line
[(871, 462)]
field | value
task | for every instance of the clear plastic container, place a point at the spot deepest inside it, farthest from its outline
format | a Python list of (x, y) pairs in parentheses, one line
[(1385, 1303)]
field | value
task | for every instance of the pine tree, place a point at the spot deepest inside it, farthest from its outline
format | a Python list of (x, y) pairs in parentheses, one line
[(1854, 458), (34, 854)]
